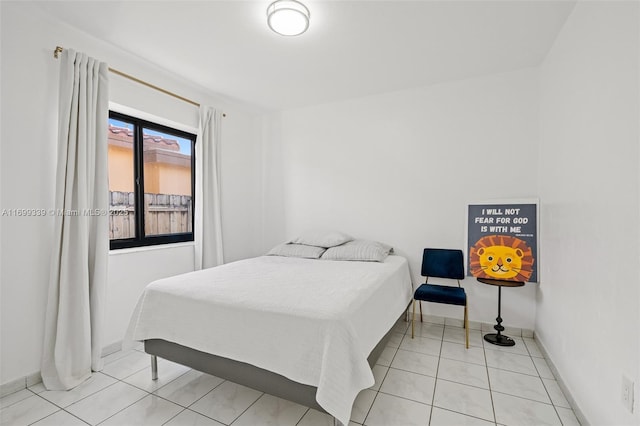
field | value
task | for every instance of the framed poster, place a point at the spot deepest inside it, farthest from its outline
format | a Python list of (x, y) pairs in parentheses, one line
[(502, 241)]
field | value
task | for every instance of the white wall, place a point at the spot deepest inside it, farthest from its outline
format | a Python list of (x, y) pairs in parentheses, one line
[(29, 120), (401, 168), (588, 301)]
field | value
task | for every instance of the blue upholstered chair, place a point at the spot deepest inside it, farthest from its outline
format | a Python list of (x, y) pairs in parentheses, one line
[(442, 263)]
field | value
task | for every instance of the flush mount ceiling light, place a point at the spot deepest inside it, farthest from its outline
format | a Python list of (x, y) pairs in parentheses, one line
[(288, 17)]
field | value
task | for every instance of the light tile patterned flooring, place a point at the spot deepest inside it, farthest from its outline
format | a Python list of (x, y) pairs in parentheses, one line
[(430, 380)]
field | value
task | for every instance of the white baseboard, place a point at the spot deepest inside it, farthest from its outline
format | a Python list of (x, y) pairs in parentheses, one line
[(112, 348), (35, 378), (13, 386), (513, 331), (473, 325), (574, 405), (19, 384)]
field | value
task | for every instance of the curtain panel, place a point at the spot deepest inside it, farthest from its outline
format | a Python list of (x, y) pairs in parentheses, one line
[(208, 219), (75, 306)]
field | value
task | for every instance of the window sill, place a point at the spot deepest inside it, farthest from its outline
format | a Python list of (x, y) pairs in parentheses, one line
[(150, 248)]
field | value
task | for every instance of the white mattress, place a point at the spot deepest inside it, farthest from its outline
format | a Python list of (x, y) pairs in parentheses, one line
[(312, 321)]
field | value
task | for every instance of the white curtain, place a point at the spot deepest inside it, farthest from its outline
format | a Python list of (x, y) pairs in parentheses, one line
[(208, 220), (75, 307)]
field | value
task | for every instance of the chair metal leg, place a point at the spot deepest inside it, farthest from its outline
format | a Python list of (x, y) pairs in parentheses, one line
[(466, 325), (413, 318), (420, 302), (154, 367)]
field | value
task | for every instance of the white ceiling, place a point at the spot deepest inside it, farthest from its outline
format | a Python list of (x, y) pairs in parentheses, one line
[(352, 48)]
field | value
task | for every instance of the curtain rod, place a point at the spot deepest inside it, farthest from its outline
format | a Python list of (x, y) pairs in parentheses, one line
[(59, 50)]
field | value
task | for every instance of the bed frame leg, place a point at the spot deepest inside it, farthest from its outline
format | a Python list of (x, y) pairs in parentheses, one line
[(336, 422), (154, 367)]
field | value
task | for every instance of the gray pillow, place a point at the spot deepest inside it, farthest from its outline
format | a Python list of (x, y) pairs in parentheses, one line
[(296, 250), (322, 238), (361, 250)]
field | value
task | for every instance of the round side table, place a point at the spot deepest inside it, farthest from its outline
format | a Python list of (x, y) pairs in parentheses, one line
[(499, 338)]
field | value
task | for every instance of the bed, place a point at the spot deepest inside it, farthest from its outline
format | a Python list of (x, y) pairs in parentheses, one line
[(307, 330)]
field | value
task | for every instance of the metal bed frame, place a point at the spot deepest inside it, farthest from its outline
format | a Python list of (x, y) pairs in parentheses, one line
[(243, 373)]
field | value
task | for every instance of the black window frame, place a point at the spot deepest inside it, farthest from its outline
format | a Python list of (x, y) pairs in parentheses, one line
[(142, 240)]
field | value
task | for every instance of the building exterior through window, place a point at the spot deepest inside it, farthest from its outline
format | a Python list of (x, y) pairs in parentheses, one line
[(166, 173)]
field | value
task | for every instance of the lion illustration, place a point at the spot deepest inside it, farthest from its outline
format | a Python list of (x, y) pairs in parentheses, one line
[(501, 257)]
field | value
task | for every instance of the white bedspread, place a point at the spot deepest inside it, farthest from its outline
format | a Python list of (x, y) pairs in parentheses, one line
[(312, 321)]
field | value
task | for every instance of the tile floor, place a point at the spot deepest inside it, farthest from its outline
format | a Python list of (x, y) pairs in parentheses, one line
[(430, 380)]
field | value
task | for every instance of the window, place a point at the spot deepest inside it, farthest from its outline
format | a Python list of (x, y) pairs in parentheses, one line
[(151, 183)]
